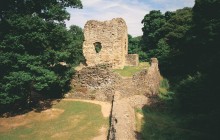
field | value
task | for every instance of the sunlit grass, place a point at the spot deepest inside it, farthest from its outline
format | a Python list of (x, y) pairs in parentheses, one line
[(129, 71), (74, 121)]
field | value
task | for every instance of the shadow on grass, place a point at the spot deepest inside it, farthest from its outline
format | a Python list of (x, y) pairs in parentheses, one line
[(45, 104), (161, 124), (19, 108)]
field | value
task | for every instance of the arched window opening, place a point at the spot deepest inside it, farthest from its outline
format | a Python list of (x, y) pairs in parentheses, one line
[(98, 46)]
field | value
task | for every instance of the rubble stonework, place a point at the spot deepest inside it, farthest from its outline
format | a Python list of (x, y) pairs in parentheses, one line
[(148, 81), (95, 77), (95, 82), (112, 36), (122, 126), (132, 60), (104, 82)]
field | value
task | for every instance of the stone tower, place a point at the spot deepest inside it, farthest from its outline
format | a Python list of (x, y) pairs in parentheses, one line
[(106, 42)]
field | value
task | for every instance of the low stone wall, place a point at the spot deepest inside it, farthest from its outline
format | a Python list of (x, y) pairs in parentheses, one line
[(95, 77), (94, 82), (131, 60), (122, 120), (99, 82), (122, 126), (148, 81)]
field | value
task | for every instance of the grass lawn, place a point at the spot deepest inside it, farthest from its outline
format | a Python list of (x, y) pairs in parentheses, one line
[(128, 71), (66, 120), (155, 125)]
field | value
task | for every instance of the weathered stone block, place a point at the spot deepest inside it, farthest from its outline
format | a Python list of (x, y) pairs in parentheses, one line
[(131, 60)]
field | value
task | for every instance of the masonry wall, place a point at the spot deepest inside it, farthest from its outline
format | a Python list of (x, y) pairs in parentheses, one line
[(114, 41), (95, 77), (131, 60), (148, 81)]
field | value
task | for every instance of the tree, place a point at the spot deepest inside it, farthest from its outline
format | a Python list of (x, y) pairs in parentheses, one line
[(206, 33), (75, 46), (202, 88), (164, 37), (188, 50), (33, 43), (134, 47), (134, 44), (177, 26), (152, 23), (175, 31)]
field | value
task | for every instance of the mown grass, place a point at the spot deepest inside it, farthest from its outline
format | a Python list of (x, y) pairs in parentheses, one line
[(129, 71), (78, 121), (157, 125)]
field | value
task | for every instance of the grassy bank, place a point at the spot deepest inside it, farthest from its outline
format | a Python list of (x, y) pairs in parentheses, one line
[(129, 71), (157, 125)]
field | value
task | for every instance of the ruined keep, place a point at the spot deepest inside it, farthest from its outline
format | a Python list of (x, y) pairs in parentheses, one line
[(107, 42)]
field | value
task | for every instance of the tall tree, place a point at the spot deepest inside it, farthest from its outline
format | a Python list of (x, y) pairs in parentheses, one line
[(134, 44), (75, 46), (152, 23), (188, 49), (174, 32), (33, 43), (166, 36)]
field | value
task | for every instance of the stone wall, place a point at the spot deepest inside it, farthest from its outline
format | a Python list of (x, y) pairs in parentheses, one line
[(122, 119), (148, 81), (122, 124), (112, 36), (95, 77), (131, 60), (94, 82)]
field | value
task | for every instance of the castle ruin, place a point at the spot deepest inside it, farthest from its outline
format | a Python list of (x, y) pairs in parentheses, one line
[(107, 43), (105, 48)]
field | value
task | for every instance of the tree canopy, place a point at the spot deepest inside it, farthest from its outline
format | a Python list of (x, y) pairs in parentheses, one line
[(35, 48), (186, 43)]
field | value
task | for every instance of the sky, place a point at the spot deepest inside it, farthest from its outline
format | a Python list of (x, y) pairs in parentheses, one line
[(132, 11)]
